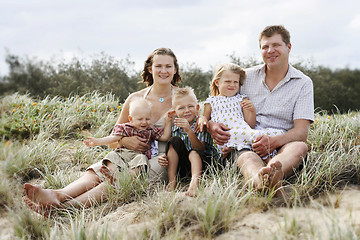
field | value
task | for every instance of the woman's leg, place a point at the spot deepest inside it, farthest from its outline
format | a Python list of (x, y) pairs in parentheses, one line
[(51, 197), (196, 167)]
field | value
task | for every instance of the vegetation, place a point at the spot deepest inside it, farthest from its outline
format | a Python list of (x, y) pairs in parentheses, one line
[(42, 143), (335, 90)]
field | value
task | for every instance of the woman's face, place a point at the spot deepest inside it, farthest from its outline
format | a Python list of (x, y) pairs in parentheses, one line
[(163, 69)]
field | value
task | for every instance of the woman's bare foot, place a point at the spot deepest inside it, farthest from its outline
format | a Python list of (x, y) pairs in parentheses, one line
[(42, 197), (171, 185), (109, 174), (45, 211), (193, 188)]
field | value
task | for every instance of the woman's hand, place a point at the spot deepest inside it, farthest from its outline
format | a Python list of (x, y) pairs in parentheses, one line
[(162, 160), (134, 143)]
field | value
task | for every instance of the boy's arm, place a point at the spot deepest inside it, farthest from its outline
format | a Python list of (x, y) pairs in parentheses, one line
[(101, 141), (195, 142), (249, 112)]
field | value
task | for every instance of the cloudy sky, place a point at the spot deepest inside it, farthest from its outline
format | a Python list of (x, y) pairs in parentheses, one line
[(204, 32)]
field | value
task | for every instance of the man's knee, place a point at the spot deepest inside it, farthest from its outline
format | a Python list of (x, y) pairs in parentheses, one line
[(296, 148), (245, 157)]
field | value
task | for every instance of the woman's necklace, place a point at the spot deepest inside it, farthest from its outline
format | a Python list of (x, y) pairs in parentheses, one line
[(162, 99)]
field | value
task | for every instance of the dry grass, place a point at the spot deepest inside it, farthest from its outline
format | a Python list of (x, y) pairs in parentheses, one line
[(49, 150)]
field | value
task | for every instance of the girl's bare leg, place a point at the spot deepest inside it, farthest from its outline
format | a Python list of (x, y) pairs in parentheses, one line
[(173, 160), (196, 167)]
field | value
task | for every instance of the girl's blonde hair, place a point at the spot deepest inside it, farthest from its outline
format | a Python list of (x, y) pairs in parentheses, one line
[(219, 70)]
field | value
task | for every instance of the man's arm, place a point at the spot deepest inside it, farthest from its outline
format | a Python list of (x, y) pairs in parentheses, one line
[(265, 144), (218, 131)]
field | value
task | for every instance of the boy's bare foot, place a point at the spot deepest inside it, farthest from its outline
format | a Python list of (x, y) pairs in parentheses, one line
[(171, 185), (42, 197), (45, 211), (109, 174), (193, 188)]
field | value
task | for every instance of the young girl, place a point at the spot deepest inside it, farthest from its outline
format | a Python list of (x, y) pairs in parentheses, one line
[(232, 109)]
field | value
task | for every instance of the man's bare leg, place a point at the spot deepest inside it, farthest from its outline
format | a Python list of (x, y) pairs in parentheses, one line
[(254, 170)]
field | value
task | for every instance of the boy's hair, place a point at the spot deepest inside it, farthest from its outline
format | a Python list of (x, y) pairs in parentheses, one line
[(147, 76), (182, 92), (138, 102), (219, 70), (269, 31)]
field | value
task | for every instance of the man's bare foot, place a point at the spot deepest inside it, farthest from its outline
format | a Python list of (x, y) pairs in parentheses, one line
[(109, 174), (45, 211), (42, 197), (261, 179), (171, 185), (276, 175), (193, 188)]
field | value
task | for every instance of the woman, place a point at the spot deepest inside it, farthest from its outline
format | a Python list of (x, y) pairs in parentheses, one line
[(161, 74)]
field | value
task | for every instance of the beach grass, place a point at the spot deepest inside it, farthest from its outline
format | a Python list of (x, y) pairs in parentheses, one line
[(42, 143)]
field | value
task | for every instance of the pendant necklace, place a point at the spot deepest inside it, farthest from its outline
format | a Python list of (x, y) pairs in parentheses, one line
[(162, 98)]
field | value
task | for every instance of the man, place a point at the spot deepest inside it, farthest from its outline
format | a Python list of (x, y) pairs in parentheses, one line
[(283, 98)]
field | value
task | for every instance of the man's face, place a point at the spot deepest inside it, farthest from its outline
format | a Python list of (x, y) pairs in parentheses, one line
[(274, 51)]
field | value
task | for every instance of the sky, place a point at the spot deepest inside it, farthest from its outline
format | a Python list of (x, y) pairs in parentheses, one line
[(200, 32)]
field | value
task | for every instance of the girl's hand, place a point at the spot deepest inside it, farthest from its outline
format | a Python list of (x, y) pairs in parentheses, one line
[(183, 123), (202, 123), (247, 104), (162, 160)]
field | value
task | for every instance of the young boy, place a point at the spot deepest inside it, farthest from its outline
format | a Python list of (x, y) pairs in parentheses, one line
[(138, 125), (187, 151)]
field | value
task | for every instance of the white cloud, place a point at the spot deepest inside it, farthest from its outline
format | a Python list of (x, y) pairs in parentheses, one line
[(204, 32)]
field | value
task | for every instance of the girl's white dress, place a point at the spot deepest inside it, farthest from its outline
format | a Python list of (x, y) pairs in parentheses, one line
[(227, 110)]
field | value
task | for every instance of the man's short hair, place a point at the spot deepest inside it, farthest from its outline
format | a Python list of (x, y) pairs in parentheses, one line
[(269, 31)]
